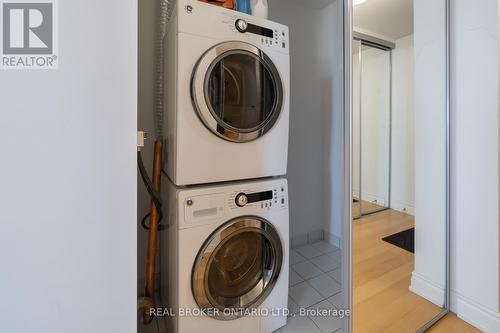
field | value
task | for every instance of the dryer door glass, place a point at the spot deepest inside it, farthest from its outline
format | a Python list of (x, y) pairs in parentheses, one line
[(237, 91), (237, 267), (241, 91)]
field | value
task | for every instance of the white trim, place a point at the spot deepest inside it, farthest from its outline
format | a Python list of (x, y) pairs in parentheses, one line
[(333, 239), (313, 237), (477, 315), (469, 311), (374, 34), (373, 198), (427, 289), (403, 207)]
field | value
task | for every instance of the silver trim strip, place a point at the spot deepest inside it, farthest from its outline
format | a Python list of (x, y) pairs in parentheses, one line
[(433, 321), (389, 190), (447, 303), (347, 225)]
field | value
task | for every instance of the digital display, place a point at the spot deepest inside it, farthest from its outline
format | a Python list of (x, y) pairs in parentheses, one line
[(261, 196), (255, 29)]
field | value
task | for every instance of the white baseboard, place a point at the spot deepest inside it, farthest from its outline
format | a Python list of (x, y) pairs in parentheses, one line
[(403, 207), (313, 237), (377, 199), (471, 312), (427, 289), (333, 239), (475, 314)]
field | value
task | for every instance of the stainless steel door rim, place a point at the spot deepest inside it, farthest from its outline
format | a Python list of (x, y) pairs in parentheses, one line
[(237, 267)]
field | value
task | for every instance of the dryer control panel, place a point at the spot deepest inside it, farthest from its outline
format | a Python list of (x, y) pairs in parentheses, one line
[(264, 200), (202, 19), (269, 37)]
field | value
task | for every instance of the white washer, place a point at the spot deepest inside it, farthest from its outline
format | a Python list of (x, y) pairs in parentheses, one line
[(226, 248), (227, 95)]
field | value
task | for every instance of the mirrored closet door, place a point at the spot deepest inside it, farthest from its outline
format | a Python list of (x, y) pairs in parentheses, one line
[(400, 171), (371, 126)]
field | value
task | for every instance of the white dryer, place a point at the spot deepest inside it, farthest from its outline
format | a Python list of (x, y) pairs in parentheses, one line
[(224, 258), (227, 95)]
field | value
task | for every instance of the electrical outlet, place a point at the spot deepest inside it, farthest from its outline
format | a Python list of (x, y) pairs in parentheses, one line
[(141, 138)]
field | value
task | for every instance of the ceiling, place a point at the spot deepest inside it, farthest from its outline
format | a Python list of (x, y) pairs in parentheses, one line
[(389, 18)]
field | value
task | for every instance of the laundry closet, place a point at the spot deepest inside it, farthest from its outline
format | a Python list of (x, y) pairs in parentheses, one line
[(272, 179)]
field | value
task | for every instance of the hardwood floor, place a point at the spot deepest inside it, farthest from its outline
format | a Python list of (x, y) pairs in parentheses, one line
[(366, 206), (453, 324), (381, 277)]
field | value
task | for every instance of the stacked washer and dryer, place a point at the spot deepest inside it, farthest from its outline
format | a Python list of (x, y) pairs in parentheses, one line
[(225, 253)]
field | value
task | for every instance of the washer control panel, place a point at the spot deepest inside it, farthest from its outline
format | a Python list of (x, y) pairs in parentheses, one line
[(207, 204)]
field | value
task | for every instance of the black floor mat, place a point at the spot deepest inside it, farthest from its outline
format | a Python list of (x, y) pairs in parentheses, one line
[(404, 239)]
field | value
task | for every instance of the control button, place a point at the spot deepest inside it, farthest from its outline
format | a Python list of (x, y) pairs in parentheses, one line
[(271, 204), (282, 201), (282, 189), (241, 25), (241, 200), (189, 202)]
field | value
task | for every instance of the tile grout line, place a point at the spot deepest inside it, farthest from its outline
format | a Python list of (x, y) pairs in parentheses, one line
[(306, 281), (291, 267)]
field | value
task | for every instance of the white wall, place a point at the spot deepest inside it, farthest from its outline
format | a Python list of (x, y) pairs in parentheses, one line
[(68, 175), (475, 166), (315, 57), (403, 127), (331, 61)]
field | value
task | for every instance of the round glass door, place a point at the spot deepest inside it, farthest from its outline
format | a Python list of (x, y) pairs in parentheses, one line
[(237, 91), (237, 267)]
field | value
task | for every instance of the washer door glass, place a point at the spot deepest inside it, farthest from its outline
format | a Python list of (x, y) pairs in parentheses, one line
[(237, 267), (237, 91)]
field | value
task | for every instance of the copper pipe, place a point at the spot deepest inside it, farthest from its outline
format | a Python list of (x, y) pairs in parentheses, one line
[(148, 301)]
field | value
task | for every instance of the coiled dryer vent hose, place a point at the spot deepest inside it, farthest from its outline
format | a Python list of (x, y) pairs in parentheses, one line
[(165, 13)]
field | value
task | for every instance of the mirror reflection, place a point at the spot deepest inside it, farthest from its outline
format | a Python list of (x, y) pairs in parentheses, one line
[(398, 164)]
